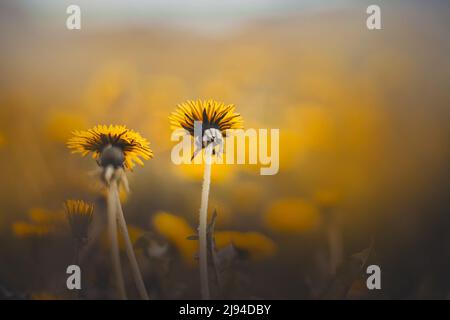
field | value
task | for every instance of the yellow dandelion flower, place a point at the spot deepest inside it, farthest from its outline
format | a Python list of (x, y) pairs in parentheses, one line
[(211, 113), (115, 148), (114, 145), (216, 119), (79, 214)]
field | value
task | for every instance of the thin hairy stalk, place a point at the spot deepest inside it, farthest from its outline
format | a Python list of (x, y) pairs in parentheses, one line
[(203, 219), (112, 228), (77, 252), (130, 252), (79, 245)]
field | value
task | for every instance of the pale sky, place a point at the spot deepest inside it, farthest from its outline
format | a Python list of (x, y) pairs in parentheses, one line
[(212, 14)]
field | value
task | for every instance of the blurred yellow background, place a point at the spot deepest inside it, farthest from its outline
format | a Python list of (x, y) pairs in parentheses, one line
[(363, 118)]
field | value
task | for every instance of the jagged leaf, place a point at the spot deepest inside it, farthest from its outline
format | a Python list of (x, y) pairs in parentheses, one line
[(346, 274)]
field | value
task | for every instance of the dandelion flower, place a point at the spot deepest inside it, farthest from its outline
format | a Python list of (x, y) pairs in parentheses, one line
[(115, 148), (216, 119), (114, 145), (79, 214), (211, 113)]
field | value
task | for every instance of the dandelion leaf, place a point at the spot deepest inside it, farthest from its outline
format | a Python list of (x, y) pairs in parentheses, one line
[(347, 273)]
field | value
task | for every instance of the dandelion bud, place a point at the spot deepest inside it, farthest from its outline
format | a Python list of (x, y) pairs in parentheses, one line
[(79, 214)]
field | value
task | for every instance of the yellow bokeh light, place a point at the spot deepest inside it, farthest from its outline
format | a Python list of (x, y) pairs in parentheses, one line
[(292, 216), (176, 230)]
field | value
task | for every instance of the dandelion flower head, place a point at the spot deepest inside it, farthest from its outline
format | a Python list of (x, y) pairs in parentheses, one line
[(211, 113), (79, 214), (114, 145)]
